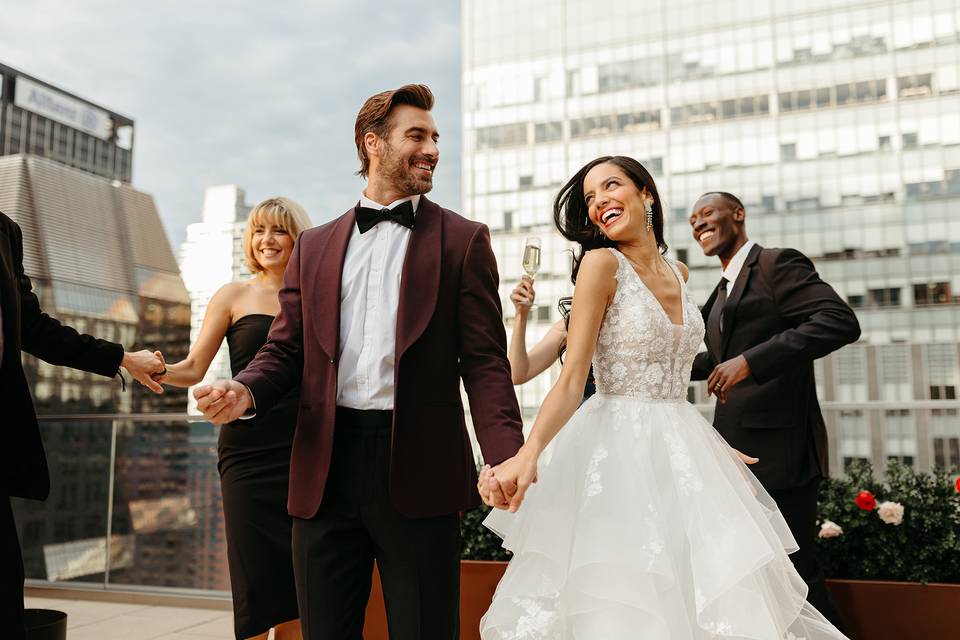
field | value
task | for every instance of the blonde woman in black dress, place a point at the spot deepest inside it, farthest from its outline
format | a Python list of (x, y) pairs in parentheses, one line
[(254, 455)]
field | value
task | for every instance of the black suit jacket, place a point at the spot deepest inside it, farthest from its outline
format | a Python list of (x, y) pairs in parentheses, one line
[(781, 317), (23, 464)]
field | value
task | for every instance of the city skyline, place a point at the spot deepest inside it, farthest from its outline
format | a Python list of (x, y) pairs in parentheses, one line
[(254, 96)]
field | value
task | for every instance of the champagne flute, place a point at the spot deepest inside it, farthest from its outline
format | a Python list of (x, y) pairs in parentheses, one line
[(531, 258)]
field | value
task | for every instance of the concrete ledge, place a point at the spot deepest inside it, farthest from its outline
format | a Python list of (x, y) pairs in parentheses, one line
[(215, 602)]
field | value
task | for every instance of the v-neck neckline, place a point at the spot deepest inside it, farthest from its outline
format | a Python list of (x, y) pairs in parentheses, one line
[(663, 310)]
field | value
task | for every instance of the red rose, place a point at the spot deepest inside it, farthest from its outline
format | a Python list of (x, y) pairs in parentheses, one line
[(866, 501), (957, 484)]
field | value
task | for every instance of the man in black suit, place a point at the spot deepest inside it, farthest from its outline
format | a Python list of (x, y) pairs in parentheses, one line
[(767, 320), (23, 464)]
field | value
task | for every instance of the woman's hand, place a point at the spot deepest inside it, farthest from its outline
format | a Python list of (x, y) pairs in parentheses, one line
[(515, 476), (744, 458), (523, 295)]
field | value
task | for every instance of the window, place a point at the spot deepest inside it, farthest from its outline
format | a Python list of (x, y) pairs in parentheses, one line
[(683, 255), (884, 143), (508, 220), (889, 297), (910, 141), (503, 135), (932, 293), (916, 86), (901, 436), (593, 126), (855, 301), (525, 182), (547, 131), (788, 151), (943, 392)]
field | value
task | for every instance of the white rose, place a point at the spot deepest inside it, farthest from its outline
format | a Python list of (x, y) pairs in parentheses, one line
[(890, 512), (830, 529)]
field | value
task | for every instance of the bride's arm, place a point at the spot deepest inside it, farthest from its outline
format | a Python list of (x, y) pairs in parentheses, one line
[(596, 285)]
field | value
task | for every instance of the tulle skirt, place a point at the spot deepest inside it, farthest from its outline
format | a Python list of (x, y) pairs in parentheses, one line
[(644, 524)]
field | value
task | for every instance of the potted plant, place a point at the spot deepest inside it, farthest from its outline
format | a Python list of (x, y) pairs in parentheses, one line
[(891, 551)]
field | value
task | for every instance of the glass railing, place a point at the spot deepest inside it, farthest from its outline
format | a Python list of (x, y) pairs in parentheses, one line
[(134, 504)]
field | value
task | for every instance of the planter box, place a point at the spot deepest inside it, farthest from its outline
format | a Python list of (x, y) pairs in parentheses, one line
[(873, 610), (881, 610)]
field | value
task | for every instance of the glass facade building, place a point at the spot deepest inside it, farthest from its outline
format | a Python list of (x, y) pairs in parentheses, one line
[(134, 497), (837, 122), (45, 121)]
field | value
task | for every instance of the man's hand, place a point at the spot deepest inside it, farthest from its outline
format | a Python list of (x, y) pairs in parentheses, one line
[(726, 375), (223, 401), (142, 365), (514, 476), (492, 492), (744, 458)]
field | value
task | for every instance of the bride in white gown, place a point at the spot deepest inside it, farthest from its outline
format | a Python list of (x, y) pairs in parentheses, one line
[(643, 522)]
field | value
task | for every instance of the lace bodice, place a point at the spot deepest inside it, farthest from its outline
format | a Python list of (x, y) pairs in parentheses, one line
[(640, 352)]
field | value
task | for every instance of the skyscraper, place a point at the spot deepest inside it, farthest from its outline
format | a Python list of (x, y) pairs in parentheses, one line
[(835, 122), (212, 256), (46, 121)]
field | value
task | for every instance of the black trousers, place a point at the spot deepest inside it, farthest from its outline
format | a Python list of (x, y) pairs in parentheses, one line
[(11, 576), (333, 553), (799, 508)]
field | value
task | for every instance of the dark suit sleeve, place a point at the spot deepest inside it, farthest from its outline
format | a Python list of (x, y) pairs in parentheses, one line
[(483, 355), (278, 366), (821, 321), (703, 366), (53, 342)]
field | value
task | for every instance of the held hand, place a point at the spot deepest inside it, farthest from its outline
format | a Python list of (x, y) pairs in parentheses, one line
[(744, 458), (516, 475), (161, 377), (523, 295), (142, 365), (490, 490), (223, 401), (726, 375)]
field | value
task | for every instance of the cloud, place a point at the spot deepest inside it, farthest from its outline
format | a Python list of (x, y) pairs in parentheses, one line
[(262, 95)]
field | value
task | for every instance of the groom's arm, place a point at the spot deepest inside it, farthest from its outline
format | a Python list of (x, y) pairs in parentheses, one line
[(821, 321), (278, 366), (483, 354), (703, 365)]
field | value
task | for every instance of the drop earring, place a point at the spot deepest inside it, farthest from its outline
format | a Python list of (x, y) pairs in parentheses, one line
[(649, 209)]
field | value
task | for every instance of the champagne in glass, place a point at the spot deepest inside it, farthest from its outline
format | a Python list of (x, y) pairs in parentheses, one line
[(531, 258)]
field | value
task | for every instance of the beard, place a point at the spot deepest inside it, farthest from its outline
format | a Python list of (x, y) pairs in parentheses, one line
[(399, 172)]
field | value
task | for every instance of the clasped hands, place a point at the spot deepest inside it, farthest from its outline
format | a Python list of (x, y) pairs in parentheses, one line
[(505, 485), (146, 367)]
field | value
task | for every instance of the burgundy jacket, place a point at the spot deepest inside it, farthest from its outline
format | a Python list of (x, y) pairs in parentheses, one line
[(449, 327)]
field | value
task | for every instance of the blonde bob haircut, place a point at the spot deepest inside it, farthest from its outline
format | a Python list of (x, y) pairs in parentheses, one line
[(283, 212)]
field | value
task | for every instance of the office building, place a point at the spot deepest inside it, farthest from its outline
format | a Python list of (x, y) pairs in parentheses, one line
[(836, 122)]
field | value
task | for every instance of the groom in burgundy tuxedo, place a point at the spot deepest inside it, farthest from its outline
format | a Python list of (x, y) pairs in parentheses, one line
[(383, 311)]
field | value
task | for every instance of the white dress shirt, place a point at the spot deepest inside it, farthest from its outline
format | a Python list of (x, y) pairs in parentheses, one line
[(735, 266), (369, 298)]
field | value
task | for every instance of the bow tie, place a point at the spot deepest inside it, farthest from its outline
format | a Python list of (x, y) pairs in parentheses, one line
[(368, 218)]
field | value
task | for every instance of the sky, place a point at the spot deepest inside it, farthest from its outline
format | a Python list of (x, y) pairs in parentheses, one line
[(259, 94)]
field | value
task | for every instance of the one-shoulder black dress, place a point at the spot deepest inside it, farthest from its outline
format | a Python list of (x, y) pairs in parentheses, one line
[(254, 464)]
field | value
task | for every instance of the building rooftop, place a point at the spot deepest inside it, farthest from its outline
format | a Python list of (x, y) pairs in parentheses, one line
[(95, 620)]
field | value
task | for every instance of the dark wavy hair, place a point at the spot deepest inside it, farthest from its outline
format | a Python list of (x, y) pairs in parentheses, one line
[(570, 209)]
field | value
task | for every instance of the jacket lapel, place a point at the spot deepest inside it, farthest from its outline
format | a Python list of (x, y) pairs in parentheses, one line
[(420, 278), (733, 301), (325, 280)]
